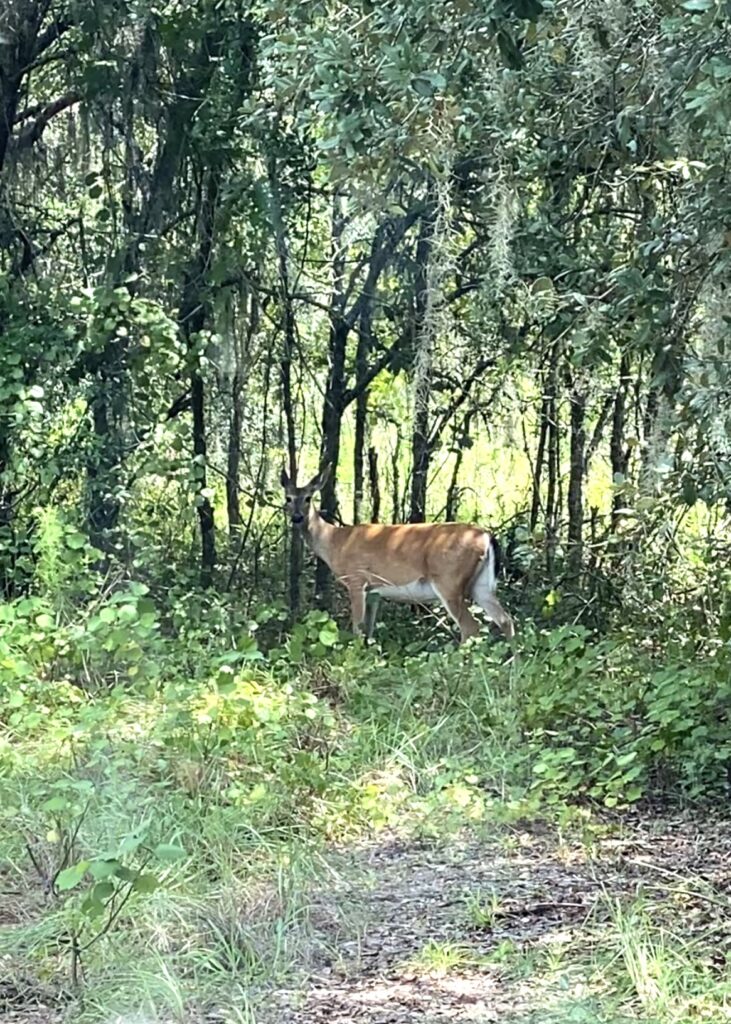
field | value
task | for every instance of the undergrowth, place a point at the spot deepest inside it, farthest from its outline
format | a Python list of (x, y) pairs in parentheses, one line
[(168, 783)]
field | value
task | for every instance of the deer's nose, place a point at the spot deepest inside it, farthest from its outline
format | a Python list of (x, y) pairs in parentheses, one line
[(298, 520)]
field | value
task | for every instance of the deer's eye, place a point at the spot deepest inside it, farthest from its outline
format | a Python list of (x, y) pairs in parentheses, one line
[(287, 499), (308, 500)]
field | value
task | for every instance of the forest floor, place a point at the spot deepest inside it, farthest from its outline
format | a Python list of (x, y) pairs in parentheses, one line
[(528, 927), (615, 923)]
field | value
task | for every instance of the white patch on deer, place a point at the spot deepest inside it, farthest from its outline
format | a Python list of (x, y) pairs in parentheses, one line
[(419, 591), (484, 583)]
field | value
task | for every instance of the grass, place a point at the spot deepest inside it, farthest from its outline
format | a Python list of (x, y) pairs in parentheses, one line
[(440, 957), (258, 782), (482, 908)]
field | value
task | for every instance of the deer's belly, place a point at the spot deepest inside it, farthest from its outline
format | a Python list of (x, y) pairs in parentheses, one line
[(417, 591)]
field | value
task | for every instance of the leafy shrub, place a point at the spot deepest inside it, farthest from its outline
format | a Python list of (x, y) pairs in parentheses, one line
[(601, 721)]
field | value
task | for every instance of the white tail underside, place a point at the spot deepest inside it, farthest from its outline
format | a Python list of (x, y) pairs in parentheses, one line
[(484, 583)]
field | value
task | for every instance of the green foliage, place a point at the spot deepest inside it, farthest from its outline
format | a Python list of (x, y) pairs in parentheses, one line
[(604, 722), (196, 201), (123, 785)]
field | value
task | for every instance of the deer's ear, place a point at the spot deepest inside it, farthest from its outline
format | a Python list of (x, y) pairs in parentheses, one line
[(284, 479), (322, 477)]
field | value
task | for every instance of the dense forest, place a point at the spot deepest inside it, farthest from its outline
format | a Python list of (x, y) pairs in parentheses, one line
[(475, 258)]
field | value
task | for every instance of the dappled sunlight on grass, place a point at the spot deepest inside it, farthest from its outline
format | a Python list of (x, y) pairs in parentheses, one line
[(348, 814)]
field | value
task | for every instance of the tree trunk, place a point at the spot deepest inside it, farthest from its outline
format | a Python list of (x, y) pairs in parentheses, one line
[(233, 458), (576, 479), (289, 343), (424, 355), (194, 315), (200, 453), (535, 506), (618, 456), (396, 480), (241, 350), (104, 459), (361, 411), (374, 485), (453, 492), (334, 399), (552, 490)]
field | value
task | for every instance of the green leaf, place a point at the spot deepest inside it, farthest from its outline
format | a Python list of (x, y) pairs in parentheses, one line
[(625, 759), (426, 83), (75, 540), (125, 873), (542, 284), (328, 637), (69, 878), (130, 843), (145, 883), (127, 613), (103, 868), (169, 852), (56, 803), (92, 908), (103, 891)]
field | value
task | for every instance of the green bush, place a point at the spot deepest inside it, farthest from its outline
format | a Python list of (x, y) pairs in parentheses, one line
[(602, 721)]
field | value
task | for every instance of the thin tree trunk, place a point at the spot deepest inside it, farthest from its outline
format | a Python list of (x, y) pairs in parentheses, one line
[(233, 455), (424, 355), (333, 405), (395, 480), (552, 491), (618, 456), (361, 411), (576, 479), (374, 484), (241, 348), (200, 451), (233, 460), (296, 551), (104, 459), (194, 315), (535, 506), (453, 492)]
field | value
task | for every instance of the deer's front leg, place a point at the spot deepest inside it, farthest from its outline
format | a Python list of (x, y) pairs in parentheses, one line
[(358, 606), (371, 614)]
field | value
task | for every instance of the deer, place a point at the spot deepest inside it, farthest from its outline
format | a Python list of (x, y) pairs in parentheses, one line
[(415, 563)]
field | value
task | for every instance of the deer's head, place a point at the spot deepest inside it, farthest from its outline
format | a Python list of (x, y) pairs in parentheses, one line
[(298, 500)]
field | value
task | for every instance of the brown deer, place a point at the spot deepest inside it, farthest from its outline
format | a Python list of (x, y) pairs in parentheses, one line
[(453, 563)]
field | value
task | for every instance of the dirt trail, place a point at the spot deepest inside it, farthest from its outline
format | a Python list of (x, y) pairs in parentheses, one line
[(397, 942), (501, 929)]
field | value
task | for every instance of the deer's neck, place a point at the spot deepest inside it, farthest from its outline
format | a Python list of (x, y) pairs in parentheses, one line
[(320, 534)]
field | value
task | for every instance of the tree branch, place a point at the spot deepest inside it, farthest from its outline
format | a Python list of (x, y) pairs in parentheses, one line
[(49, 35), (387, 237), (351, 394), (458, 400), (32, 132)]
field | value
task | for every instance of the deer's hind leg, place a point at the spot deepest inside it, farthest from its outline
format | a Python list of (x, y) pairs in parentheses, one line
[(454, 602)]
